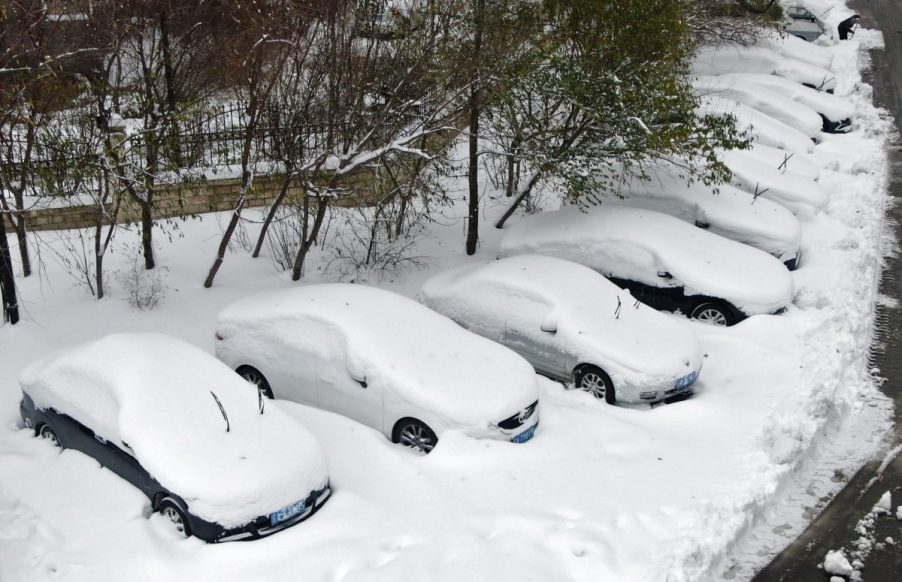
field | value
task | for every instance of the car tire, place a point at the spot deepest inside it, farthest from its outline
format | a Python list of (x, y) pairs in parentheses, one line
[(255, 377), (596, 382), (172, 511), (46, 432), (713, 313), (414, 434)]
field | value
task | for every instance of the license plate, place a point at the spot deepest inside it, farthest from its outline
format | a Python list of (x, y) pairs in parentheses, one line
[(287, 513), (685, 381), (525, 435)]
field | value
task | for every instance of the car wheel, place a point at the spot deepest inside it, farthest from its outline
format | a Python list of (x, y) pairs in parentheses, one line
[(713, 313), (596, 382), (254, 376), (170, 509), (413, 433), (46, 432)]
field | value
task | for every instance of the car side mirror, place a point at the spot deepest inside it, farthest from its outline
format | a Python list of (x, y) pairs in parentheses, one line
[(665, 275), (549, 324)]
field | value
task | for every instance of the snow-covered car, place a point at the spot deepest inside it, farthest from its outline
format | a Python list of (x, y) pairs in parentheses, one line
[(734, 58), (802, 23), (759, 97), (795, 48), (664, 262), (729, 212), (784, 161), (757, 126), (836, 113), (381, 359), (572, 325), (800, 194), (184, 429)]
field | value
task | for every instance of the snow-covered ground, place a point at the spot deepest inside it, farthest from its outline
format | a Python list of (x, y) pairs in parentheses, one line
[(676, 492)]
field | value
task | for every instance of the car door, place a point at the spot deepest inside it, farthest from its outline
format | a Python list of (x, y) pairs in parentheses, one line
[(532, 333), (348, 391), (122, 463)]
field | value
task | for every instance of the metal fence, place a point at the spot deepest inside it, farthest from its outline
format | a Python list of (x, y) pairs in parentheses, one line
[(212, 138)]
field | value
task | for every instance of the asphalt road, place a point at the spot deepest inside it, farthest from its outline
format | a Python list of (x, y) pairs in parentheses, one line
[(835, 526)]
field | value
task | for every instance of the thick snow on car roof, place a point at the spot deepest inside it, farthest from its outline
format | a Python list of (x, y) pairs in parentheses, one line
[(636, 244), (758, 126), (733, 58), (782, 108), (830, 106), (795, 48), (730, 212), (784, 161), (151, 393), (583, 305), (802, 195), (395, 343)]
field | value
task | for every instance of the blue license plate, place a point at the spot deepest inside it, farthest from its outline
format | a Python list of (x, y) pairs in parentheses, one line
[(685, 381), (525, 435), (287, 513)]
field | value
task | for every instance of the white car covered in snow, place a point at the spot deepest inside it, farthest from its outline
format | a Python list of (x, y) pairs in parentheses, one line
[(759, 127), (572, 325), (735, 58), (184, 429), (836, 113), (782, 108), (796, 49), (381, 359), (664, 262), (784, 161), (729, 212), (800, 194)]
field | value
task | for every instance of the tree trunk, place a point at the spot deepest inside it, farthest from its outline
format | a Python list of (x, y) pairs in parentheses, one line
[(98, 254), (524, 194), (7, 280), (474, 109), (22, 237), (147, 235), (283, 190), (224, 243), (322, 205)]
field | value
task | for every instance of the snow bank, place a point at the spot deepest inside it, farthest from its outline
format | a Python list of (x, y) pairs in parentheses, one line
[(637, 244), (395, 344), (836, 563), (595, 321), (761, 128), (151, 393)]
